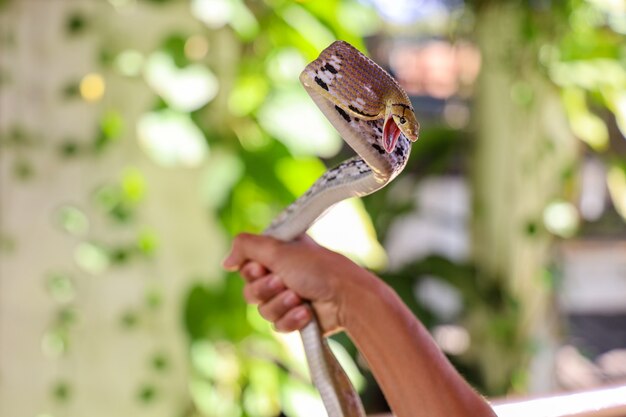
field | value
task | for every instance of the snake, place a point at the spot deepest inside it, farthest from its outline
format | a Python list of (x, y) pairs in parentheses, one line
[(374, 116)]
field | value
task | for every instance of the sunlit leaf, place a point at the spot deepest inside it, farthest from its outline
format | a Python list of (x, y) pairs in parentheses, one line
[(257, 321), (285, 65), (301, 401), (293, 118), (616, 181), (561, 218), (243, 21), (585, 125), (172, 139), (147, 242), (129, 62), (348, 364), (184, 89), (588, 43), (223, 171), (261, 398), (214, 400), (250, 135), (203, 357), (112, 124), (60, 287), (358, 18), (299, 174), (311, 28), (254, 204), (348, 229), (54, 343), (593, 74), (213, 13), (616, 101), (247, 94), (91, 257), (72, 220), (133, 185)]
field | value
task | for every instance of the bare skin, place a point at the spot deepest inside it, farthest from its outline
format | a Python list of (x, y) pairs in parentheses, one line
[(415, 376)]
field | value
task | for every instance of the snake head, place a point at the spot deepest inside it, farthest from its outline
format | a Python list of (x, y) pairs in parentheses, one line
[(399, 118)]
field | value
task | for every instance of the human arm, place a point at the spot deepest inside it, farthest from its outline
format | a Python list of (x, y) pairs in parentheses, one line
[(414, 375)]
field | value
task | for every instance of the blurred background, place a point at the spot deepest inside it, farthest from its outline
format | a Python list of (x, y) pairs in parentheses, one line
[(138, 136)]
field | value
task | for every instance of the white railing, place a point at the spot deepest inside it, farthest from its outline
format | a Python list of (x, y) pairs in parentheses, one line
[(605, 402)]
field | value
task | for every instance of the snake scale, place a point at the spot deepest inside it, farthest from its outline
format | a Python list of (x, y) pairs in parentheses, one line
[(374, 116)]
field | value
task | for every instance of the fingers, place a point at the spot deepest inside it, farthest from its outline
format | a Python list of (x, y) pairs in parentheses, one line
[(247, 247), (263, 289), (252, 271), (278, 306), (294, 319), (254, 256)]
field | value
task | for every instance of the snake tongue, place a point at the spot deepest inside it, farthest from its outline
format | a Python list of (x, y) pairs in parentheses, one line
[(391, 133)]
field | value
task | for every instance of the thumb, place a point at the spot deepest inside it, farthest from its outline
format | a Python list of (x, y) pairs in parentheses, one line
[(249, 247)]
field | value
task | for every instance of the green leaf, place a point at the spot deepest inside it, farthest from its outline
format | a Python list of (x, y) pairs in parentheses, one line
[(174, 45), (60, 287), (75, 24), (217, 313), (61, 391), (299, 174), (147, 393), (133, 185), (147, 242), (129, 319), (159, 362)]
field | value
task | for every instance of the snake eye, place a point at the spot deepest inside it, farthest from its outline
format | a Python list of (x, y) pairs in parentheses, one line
[(402, 120)]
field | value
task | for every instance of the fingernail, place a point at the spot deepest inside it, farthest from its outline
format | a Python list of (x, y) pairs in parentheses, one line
[(275, 283), (228, 263), (290, 299), (300, 314), (257, 271)]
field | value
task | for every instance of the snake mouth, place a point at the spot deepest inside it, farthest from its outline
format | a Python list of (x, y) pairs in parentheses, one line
[(391, 133)]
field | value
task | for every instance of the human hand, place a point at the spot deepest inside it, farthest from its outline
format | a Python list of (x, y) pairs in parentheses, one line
[(280, 275)]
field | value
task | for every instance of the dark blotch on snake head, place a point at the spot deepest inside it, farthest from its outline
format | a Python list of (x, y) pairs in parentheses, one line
[(321, 83), (343, 114), (330, 68)]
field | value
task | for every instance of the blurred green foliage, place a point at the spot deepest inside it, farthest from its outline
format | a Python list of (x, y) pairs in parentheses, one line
[(257, 162)]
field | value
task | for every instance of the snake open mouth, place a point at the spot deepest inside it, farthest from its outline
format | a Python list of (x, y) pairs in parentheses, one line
[(391, 133)]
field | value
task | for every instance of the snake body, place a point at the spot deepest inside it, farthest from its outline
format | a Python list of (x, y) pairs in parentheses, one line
[(374, 116)]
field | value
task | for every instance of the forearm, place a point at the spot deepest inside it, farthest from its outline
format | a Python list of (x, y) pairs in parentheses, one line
[(415, 376)]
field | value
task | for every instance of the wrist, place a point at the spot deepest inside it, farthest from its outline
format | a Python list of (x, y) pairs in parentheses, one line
[(358, 293)]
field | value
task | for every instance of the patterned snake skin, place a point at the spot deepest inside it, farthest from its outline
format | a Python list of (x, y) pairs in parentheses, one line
[(375, 117)]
